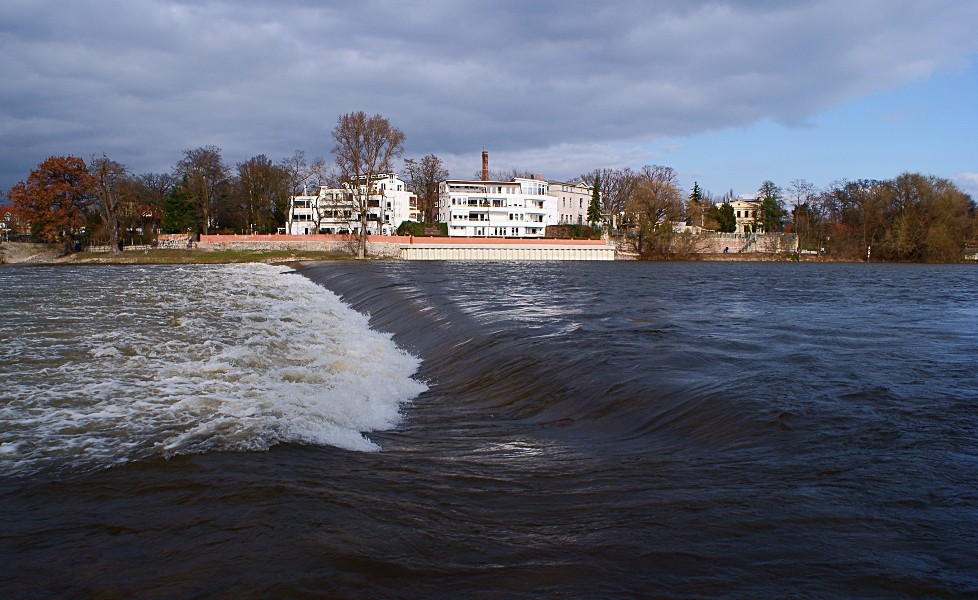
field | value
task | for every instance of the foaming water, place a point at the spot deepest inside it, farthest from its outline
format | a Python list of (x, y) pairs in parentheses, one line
[(589, 430), (117, 364)]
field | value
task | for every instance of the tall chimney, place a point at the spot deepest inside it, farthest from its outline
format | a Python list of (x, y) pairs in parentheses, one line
[(485, 165)]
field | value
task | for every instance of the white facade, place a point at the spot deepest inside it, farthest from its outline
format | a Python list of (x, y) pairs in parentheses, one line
[(747, 211), (333, 211), (517, 208), (573, 200)]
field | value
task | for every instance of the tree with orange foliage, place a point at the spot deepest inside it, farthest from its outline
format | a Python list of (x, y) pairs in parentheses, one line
[(55, 198)]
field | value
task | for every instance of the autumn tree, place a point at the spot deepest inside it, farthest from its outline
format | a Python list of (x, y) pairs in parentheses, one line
[(654, 203), (424, 175), (55, 198), (365, 148), (856, 214), (204, 176), (927, 220)]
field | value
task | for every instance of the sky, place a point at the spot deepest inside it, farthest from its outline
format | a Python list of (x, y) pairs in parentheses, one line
[(727, 93)]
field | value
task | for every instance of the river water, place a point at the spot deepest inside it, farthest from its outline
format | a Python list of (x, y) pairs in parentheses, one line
[(490, 430)]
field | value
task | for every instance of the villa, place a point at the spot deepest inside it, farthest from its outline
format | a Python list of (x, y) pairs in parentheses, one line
[(332, 210)]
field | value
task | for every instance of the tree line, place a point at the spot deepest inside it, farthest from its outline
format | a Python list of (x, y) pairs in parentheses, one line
[(67, 200), (912, 217)]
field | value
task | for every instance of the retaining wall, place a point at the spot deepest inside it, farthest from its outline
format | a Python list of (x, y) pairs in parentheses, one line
[(736, 243), (422, 248)]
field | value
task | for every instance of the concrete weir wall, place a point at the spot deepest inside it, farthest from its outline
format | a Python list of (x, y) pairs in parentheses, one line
[(423, 248), (506, 252), (444, 248)]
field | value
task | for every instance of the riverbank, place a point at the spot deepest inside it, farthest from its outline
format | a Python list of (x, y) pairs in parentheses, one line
[(27, 253)]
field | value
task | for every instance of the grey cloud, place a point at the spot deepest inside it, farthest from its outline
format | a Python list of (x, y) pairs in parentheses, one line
[(142, 80)]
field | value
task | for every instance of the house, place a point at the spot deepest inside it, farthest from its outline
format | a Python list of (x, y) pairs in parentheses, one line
[(480, 208), (573, 200), (333, 210), (747, 211)]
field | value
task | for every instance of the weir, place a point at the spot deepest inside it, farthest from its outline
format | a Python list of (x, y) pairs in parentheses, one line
[(489, 251)]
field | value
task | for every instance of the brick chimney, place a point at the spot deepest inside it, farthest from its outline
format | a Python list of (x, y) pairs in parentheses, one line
[(485, 165)]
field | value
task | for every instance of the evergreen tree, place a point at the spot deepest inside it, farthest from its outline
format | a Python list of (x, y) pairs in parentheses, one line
[(725, 218), (772, 207), (695, 213), (179, 214), (594, 208)]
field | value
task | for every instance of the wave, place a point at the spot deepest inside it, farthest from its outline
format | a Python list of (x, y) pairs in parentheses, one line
[(165, 361), (546, 364)]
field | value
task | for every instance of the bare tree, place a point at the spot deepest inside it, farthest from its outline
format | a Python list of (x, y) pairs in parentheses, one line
[(658, 173), (321, 173), (424, 175), (298, 174), (803, 198), (365, 147), (505, 175), (111, 195), (655, 201), (616, 189), (150, 192), (205, 177)]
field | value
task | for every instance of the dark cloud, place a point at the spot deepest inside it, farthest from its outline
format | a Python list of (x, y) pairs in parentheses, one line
[(576, 83)]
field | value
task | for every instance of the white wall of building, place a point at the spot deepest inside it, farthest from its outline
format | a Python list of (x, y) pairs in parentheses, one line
[(747, 211), (332, 209), (517, 208), (573, 200)]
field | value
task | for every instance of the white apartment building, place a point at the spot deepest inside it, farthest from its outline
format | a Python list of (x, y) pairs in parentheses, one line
[(573, 200), (517, 208), (332, 210)]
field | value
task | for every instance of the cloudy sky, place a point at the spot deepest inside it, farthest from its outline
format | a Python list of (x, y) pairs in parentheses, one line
[(728, 93)]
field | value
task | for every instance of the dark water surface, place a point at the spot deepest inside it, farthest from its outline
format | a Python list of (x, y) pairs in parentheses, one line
[(671, 430)]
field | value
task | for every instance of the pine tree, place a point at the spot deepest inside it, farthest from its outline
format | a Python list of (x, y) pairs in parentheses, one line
[(594, 208)]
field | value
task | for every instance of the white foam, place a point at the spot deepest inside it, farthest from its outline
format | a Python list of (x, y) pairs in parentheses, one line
[(191, 359)]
